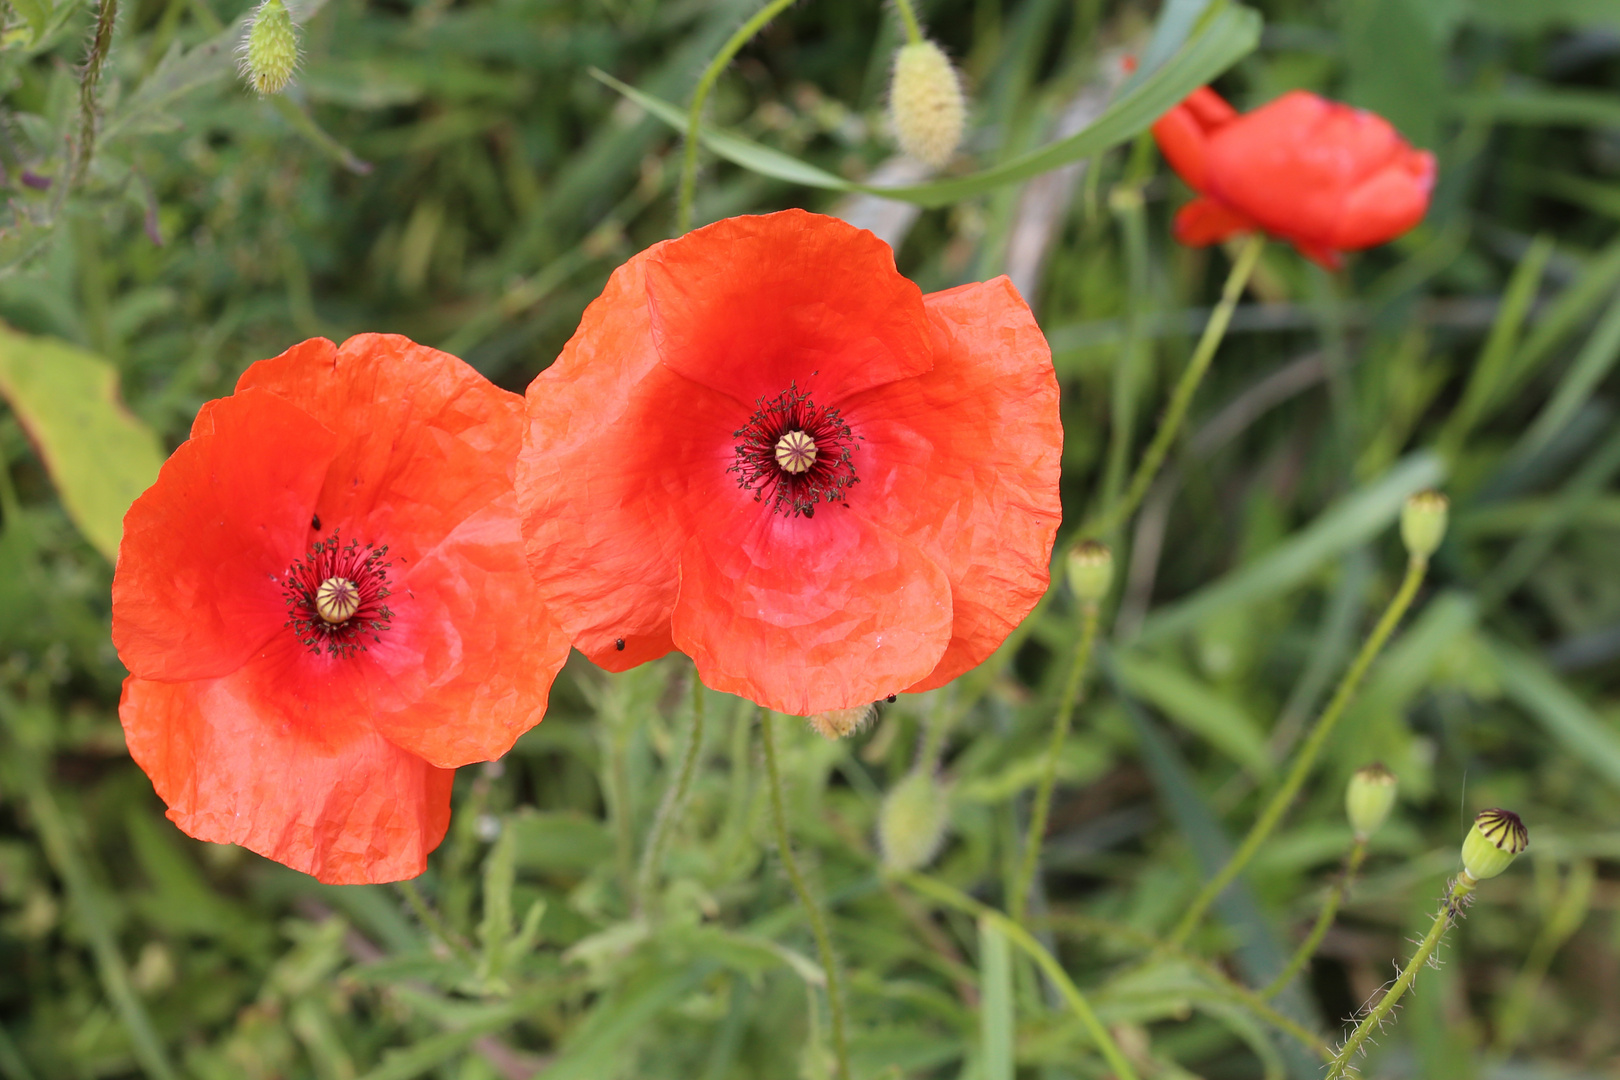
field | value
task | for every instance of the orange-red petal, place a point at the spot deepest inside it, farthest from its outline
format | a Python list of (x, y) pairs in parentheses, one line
[(808, 614), (332, 799), (965, 460), (750, 304), (1205, 221), (198, 585)]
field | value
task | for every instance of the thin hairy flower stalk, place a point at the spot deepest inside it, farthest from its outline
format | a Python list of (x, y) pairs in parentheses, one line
[(1330, 910), (652, 857), (1450, 911), (694, 115), (812, 908), (431, 921), (1037, 952), (1214, 330), (909, 16), (1309, 751), (89, 82), (1235, 991), (1042, 808)]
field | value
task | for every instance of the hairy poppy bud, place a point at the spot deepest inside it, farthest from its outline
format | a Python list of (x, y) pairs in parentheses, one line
[(1423, 523), (1497, 838), (926, 103), (911, 825), (1369, 799), (269, 54), (1091, 570), (838, 723)]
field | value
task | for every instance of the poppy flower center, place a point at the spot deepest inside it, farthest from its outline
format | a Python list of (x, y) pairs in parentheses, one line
[(794, 454), (335, 596)]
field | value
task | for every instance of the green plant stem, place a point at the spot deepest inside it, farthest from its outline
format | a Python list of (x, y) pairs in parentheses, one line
[(652, 857), (1448, 913), (1118, 512), (1330, 909), (908, 15), (706, 81), (1025, 941), (818, 922), (1308, 752), (431, 921), (1042, 807), (100, 46)]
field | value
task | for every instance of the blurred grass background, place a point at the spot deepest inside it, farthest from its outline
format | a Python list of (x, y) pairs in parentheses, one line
[(448, 170)]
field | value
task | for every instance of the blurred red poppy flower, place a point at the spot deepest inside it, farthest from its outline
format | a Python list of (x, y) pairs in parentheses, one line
[(324, 607), (766, 448), (1326, 177)]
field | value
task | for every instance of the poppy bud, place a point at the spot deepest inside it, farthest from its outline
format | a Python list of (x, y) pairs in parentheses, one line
[(911, 825), (1423, 523), (1497, 838), (1091, 570), (926, 103), (1369, 799), (839, 723), (269, 54)]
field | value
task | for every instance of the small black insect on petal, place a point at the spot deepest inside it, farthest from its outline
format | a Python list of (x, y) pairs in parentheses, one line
[(315, 523), (890, 699), (618, 643)]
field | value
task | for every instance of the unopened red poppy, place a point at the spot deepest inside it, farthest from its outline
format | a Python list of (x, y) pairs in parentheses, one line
[(1326, 177), (324, 607), (766, 448)]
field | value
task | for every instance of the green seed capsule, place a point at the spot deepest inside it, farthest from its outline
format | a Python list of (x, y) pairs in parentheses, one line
[(911, 825), (269, 55), (926, 103), (1423, 523), (1369, 798), (1497, 838), (1091, 570)]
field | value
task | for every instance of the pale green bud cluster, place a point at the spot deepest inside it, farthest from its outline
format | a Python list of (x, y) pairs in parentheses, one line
[(1497, 838), (269, 55), (1423, 523), (839, 723), (1091, 571), (1369, 798), (911, 825), (926, 104)]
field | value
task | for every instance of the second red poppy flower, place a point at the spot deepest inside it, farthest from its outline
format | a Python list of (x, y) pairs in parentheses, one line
[(766, 448)]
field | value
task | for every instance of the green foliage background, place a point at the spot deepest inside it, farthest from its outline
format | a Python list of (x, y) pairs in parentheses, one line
[(449, 170)]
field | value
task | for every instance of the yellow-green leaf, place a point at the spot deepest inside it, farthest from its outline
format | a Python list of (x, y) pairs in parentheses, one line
[(98, 454)]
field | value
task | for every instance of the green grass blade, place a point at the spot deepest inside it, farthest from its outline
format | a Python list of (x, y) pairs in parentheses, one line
[(996, 1021)]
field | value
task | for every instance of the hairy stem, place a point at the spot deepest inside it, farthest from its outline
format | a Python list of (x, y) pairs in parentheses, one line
[(1039, 812), (89, 82), (652, 856), (1308, 752), (694, 116), (908, 15), (1330, 909), (812, 908), (1117, 513), (1450, 911)]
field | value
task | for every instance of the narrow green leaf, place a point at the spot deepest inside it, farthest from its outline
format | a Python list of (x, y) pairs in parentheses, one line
[(1357, 518), (1591, 364), (98, 454), (1542, 105), (1224, 39), (1559, 710), (997, 1034), (1199, 708)]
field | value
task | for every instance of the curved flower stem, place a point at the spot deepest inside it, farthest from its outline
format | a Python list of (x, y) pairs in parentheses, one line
[(1023, 883), (1450, 911), (818, 922), (652, 856), (1308, 752), (1330, 908), (89, 81), (1122, 508), (694, 115), (909, 16), (1022, 938)]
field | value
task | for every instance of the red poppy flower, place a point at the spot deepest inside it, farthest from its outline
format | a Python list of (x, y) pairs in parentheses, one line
[(766, 448), (1324, 176), (324, 607)]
